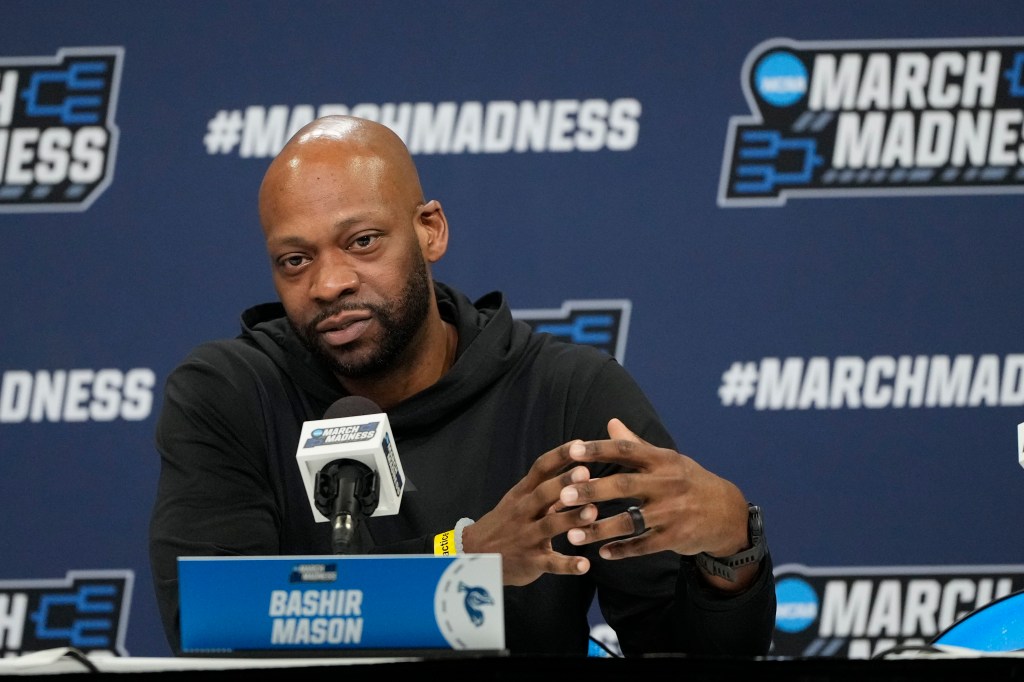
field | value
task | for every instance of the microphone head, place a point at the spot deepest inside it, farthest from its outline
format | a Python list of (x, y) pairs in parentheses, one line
[(354, 428), (351, 406)]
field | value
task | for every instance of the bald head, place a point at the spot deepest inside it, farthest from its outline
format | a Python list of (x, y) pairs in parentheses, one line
[(339, 155), (350, 240)]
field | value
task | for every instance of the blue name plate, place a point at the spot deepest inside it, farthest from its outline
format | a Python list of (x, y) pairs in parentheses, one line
[(341, 602)]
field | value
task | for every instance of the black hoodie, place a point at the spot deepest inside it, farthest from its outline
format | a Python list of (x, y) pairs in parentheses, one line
[(229, 483)]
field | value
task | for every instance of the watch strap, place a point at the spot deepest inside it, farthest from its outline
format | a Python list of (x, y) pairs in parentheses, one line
[(725, 567)]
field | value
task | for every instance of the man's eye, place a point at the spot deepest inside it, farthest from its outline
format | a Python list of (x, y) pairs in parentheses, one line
[(364, 241), (292, 261)]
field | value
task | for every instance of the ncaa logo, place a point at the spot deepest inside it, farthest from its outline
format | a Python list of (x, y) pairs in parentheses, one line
[(797, 605), (781, 78)]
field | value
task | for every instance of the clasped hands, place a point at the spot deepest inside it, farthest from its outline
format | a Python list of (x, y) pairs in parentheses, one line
[(683, 507)]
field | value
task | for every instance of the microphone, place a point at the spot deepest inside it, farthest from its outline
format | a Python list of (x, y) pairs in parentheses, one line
[(350, 468)]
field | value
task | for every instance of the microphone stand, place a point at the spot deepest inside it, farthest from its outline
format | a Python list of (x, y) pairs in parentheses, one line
[(346, 491)]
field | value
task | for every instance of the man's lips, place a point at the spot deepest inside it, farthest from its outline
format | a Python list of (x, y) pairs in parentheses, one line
[(344, 328)]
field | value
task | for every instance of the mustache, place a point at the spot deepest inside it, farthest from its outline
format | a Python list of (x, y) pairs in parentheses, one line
[(343, 306)]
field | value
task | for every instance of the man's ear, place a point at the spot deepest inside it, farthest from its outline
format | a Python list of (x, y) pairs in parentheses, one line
[(432, 230)]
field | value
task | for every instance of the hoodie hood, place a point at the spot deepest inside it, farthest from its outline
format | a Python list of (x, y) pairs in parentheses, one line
[(491, 342)]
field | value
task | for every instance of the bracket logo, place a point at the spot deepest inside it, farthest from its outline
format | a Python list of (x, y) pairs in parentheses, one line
[(88, 611), (603, 324), (877, 118), (58, 139)]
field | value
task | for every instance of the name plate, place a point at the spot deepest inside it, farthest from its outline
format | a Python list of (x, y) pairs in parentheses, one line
[(328, 603)]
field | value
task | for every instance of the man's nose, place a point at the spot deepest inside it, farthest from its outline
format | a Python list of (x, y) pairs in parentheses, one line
[(335, 277)]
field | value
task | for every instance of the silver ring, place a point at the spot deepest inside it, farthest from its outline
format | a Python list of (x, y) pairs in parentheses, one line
[(639, 526)]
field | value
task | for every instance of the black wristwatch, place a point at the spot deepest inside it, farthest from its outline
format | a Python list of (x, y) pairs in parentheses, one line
[(725, 566)]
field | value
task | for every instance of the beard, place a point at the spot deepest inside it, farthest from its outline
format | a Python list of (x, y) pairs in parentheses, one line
[(400, 318)]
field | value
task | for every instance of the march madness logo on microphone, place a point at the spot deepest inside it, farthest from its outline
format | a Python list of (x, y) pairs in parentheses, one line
[(342, 434), (58, 139)]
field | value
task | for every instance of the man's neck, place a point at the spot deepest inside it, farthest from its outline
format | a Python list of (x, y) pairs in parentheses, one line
[(414, 374)]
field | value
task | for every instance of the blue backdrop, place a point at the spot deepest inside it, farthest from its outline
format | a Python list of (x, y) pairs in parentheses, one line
[(807, 216)]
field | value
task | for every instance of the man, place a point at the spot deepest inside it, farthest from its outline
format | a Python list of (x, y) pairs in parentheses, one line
[(550, 447)]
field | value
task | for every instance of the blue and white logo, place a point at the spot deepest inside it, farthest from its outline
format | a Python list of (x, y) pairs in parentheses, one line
[(797, 605), (876, 118), (602, 323), (58, 138), (87, 610), (331, 435), (860, 612), (469, 604), (781, 78)]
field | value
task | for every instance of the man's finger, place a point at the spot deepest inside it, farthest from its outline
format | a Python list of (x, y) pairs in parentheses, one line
[(619, 431), (547, 466), (567, 565), (626, 452)]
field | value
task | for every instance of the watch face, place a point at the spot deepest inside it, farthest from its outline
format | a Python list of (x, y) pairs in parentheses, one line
[(755, 523)]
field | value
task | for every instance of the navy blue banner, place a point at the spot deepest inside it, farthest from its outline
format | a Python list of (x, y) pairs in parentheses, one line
[(799, 228)]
